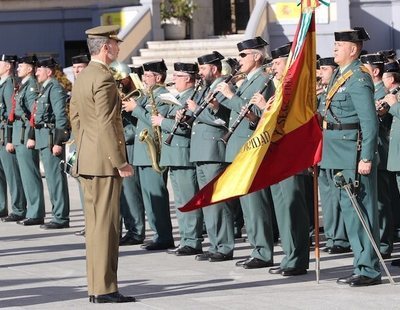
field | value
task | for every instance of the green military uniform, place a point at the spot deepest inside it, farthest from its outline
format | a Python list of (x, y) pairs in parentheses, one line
[(49, 118), (386, 179), (182, 175), (292, 213), (256, 206), (28, 159), (207, 152), (132, 207), (334, 229), (393, 163), (153, 184), (9, 170), (353, 106)]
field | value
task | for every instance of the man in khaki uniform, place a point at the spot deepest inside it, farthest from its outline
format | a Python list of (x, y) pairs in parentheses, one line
[(101, 162)]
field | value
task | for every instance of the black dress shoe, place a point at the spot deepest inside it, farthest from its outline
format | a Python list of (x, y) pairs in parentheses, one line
[(31, 222), (254, 263), (3, 214), (203, 256), (110, 298), (347, 280), (289, 272), (154, 246), (219, 257), (80, 233), (365, 281), (240, 263), (13, 218), (129, 240), (336, 249), (187, 250), (54, 225), (275, 270), (326, 249), (173, 251), (396, 262)]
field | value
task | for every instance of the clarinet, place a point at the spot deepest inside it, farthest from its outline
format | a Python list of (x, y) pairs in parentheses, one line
[(201, 107), (243, 112), (384, 106), (177, 123)]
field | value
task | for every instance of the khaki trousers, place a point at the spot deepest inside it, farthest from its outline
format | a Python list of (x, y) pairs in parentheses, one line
[(102, 196)]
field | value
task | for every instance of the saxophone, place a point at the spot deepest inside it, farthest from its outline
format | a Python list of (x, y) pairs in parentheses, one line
[(153, 141)]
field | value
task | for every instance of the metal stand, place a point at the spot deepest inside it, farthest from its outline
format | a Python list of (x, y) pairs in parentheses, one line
[(341, 182)]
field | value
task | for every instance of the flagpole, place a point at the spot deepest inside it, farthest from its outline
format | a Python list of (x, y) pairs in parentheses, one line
[(316, 222)]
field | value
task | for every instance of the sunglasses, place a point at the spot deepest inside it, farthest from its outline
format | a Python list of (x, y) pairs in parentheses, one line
[(243, 55)]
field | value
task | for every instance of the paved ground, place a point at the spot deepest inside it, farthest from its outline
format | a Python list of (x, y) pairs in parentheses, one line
[(46, 270)]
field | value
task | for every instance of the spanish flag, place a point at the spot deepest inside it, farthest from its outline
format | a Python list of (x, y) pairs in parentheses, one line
[(288, 137)]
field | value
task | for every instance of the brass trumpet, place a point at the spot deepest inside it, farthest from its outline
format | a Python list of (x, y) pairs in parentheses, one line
[(136, 94)]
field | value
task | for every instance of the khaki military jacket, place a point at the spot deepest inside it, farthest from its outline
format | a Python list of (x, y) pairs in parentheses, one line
[(96, 122)]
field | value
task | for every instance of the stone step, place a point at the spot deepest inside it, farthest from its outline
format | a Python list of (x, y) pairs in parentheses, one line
[(137, 60), (186, 53), (197, 43)]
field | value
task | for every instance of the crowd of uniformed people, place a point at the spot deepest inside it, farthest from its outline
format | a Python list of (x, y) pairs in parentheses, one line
[(178, 132)]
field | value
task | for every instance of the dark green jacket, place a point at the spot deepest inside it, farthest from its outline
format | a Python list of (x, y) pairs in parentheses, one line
[(352, 103)]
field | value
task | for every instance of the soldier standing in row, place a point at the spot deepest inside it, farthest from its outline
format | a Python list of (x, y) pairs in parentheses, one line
[(350, 120), (9, 170), (50, 123), (182, 172), (334, 230), (207, 152), (153, 183), (256, 206)]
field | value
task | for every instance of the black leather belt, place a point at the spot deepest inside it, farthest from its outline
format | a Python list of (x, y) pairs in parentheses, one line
[(40, 126), (18, 118), (332, 126)]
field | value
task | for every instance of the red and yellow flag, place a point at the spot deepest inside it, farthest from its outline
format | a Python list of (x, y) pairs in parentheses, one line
[(288, 137)]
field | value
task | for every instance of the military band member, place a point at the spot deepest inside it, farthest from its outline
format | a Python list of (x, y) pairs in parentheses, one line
[(391, 79), (50, 123), (290, 206), (79, 62), (9, 170), (334, 230), (131, 203), (182, 172), (153, 183), (350, 119), (257, 206), (207, 152), (386, 179)]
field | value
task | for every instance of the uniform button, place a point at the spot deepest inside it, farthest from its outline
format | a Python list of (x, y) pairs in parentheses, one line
[(109, 157), (120, 142), (344, 137), (193, 132)]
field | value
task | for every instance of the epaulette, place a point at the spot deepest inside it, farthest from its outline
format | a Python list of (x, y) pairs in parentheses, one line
[(364, 69)]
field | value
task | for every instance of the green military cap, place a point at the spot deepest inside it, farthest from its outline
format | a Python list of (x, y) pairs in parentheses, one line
[(189, 68), (80, 59), (357, 34), (8, 58), (47, 63), (282, 51), (327, 61), (110, 32), (257, 42)]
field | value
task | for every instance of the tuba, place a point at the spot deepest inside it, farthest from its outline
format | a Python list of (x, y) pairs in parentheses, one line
[(153, 140)]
